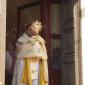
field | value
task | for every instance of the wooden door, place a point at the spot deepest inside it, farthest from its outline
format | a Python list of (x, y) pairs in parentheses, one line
[(70, 42)]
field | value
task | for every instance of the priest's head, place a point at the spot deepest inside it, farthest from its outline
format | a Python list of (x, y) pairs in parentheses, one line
[(34, 28)]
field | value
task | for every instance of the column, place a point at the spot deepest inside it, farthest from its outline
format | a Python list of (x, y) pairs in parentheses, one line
[(83, 37)]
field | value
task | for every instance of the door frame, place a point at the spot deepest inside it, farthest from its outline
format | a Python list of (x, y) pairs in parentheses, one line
[(78, 49), (2, 40)]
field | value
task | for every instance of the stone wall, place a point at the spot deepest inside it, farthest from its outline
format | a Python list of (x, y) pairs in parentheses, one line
[(83, 37), (2, 39)]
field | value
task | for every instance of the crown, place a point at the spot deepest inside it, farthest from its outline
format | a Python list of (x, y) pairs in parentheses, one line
[(36, 26)]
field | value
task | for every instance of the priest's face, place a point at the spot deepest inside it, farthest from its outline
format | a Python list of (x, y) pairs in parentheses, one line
[(31, 32)]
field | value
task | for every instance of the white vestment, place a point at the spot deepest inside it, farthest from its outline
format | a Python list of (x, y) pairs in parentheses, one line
[(28, 47), (19, 70)]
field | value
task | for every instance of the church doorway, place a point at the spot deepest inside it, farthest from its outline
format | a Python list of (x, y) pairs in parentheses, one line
[(60, 32)]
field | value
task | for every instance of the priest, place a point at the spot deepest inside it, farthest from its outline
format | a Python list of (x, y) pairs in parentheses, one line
[(31, 64)]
